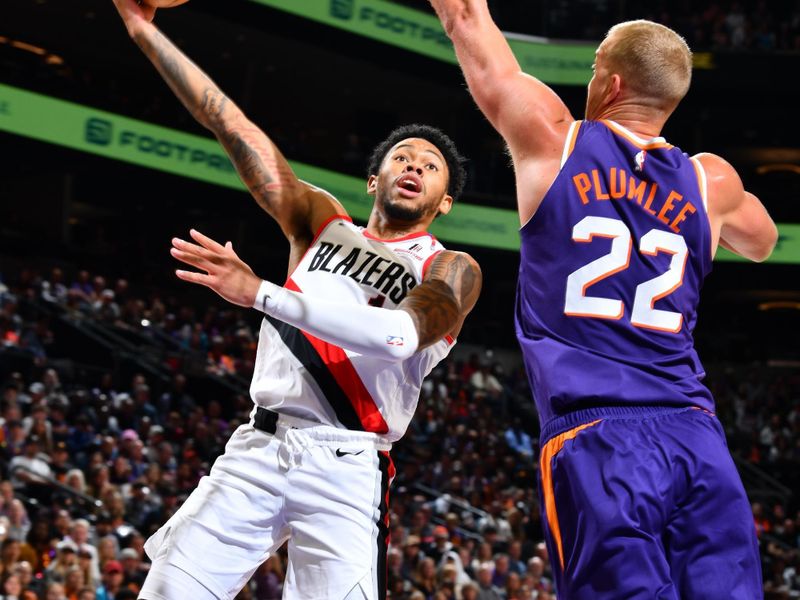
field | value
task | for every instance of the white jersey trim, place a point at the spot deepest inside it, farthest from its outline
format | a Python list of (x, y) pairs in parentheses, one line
[(569, 143)]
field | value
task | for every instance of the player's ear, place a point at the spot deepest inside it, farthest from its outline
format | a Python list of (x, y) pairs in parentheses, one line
[(372, 185), (613, 89), (446, 204)]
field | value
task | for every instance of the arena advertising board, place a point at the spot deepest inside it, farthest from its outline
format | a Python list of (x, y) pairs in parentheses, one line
[(553, 62), (153, 146), (164, 149)]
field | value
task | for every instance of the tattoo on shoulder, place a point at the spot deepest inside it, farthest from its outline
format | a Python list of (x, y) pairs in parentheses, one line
[(449, 291), (460, 272)]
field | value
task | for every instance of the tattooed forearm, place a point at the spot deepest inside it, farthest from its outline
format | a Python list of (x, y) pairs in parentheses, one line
[(434, 311), (191, 85), (261, 167), (450, 290)]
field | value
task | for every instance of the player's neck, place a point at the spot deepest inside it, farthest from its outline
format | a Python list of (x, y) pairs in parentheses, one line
[(645, 122), (385, 229)]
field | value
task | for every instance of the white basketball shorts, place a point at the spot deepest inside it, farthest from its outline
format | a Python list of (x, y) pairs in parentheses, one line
[(323, 489)]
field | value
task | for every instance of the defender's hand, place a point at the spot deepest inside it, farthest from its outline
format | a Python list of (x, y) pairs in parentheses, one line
[(134, 13), (225, 273)]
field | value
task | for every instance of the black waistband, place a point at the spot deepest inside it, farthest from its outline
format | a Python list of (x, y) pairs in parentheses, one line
[(265, 420)]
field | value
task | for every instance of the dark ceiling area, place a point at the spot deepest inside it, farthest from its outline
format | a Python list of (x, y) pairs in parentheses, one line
[(326, 97)]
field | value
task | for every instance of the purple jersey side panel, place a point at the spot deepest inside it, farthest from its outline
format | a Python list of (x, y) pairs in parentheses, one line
[(616, 199)]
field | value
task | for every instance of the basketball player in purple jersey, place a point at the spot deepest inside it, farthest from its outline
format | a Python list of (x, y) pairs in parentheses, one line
[(619, 228)]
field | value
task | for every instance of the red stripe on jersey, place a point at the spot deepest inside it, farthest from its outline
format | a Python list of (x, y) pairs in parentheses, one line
[(345, 374), (410, 236)]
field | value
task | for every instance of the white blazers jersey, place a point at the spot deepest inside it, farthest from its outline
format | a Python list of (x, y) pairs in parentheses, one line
[(299, 375)]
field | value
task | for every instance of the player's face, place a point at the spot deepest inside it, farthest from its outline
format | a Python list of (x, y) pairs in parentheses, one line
[(412, 183)]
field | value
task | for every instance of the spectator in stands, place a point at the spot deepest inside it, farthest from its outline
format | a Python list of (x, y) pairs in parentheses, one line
[(66, 557), (73, 581), (88, 563), (501, 570), (54, 290), (29, 470), (9, 554), (469, 592), (55, 591), (133, 569), (80, 536), (29, 583), (440, 545), (515, 562), (107, 550), (18, 522), (519, 441), (13, 440), (12, 587), (412, 556), (111, 581), (105, 308), (486, 589), (485, 384), (535, 574), (87, 593)]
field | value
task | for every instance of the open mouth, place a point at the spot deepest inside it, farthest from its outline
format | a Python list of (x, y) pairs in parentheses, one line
[(409, 185)]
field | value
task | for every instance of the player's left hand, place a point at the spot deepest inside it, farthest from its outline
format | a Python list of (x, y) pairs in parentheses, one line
[(225, 273)]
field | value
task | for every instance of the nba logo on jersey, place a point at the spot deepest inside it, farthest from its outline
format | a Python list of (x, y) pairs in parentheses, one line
[(639, 160), (394, 340)]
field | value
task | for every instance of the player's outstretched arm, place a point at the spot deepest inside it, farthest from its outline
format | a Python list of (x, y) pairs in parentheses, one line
[(260, 164), (434, 308), (744, 225), (527, 113)]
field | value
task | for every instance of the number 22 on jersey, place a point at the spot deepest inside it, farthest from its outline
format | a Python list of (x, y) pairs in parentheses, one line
[(643, 313)]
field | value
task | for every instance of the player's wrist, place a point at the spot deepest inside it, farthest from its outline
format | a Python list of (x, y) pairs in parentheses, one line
[(268, 297)]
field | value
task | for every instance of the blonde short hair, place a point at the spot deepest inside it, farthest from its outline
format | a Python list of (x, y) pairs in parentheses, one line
[(652, 59)]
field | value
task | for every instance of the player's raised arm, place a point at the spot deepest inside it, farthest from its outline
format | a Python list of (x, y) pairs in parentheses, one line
[(296, 206), (743, 223), (526, 112)]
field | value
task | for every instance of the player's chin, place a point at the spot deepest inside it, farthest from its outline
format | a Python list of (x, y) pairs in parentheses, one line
[(404, 209)]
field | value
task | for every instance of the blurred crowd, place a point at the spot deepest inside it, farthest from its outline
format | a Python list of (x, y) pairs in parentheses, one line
[(92, 465), (733, 25)]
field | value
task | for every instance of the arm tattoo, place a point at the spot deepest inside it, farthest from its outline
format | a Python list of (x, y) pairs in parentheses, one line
[(449, 292), (172, 64), (260, 165)]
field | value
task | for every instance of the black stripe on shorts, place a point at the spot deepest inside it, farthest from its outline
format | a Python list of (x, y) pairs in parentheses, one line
[(383, 529)]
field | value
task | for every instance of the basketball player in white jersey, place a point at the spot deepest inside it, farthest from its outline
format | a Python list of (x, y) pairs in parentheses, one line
[(362, 318)]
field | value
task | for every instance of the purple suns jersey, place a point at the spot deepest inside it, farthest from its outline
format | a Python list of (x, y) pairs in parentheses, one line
[(611, 268)]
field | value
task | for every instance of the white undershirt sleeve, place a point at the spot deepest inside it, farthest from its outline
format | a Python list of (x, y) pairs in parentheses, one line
[(369, 330)]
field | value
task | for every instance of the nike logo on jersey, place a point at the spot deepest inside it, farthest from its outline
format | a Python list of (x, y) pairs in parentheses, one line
[(340, 453), (385, 276)]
